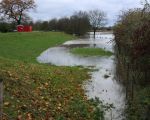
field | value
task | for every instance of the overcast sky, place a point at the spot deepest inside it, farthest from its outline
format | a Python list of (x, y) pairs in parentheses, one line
[(48, 9)]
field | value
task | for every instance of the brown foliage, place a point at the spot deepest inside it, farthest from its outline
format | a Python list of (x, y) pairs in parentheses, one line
[(15, 9)]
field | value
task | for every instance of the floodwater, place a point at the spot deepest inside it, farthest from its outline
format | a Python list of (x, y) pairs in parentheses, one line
[(107, 89)]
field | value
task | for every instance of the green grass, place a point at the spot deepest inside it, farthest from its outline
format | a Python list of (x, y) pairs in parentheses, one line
[(91, 52), (40, 91), (44, 91), (27, 46), (138, 106)]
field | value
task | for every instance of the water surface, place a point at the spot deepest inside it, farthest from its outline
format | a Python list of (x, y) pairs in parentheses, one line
[(106, 89)]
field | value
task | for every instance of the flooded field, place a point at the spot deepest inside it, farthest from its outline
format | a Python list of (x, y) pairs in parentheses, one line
[(102, 83)]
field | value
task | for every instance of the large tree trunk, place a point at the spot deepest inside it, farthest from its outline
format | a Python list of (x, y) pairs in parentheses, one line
[(19, 20), (1, 99)]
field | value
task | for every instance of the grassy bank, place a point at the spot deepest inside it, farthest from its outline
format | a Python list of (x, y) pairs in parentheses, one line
[(35, 91), (40, 92), (27, 46), (91, 52)]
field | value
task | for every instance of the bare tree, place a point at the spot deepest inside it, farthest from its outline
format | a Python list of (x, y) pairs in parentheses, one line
[(97, 19), (146, 7), (16, 9)]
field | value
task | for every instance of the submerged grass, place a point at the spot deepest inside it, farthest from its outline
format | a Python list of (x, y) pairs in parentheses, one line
[(91, 52)]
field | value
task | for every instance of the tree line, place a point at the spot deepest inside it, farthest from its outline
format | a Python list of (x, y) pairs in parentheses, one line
[(79, 23), (15, 13)]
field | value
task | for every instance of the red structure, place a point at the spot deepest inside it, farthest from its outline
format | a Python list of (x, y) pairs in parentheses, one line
[(21, 28)]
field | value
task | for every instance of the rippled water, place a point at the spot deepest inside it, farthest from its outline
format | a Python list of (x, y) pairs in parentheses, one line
[(106, 89)]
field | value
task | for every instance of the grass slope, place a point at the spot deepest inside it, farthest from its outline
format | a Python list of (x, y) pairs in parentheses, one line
[(91, 52), (27, 46), (36, 91), (41, 91)]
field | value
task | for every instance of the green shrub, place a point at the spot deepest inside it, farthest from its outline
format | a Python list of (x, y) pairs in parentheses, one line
[(132, 38), (4, 27)]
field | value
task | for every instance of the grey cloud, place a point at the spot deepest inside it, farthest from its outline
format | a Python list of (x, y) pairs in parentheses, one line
[(48, 9)]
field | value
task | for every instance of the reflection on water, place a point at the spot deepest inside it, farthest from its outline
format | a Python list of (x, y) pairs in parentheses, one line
[(107, 88), (62, 57), (101, 41)]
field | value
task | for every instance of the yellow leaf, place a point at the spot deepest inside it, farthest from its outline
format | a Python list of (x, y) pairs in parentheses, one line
[(6, 103)]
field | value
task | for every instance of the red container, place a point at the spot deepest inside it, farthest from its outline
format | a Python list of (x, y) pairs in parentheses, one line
[(21, 28), (27, 28)]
